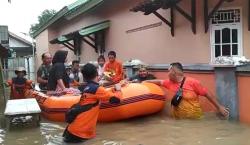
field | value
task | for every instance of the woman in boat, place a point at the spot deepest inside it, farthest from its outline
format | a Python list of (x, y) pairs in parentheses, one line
[(58, 79)]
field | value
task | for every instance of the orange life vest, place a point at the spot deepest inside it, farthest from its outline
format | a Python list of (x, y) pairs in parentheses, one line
[(18, 90)]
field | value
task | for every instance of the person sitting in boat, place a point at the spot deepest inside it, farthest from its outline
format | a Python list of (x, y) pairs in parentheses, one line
[(142, 75), (101, 62), (43, 71), (83, 127), (188, 107), (75, 75), (58, 79), (19, 84), (113, 70)]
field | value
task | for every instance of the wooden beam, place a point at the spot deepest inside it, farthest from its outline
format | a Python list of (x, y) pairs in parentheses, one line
[(172, 21), (68, 46), (89, 43), (248, 15), (170, 24), (77, 46), (207, 15), (162, 18), (91, 38), (183, 13), (191, 18), (193, 13), (215, 9), (100, 42)]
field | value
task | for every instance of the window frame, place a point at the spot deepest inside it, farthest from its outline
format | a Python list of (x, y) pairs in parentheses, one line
[(231, 26)]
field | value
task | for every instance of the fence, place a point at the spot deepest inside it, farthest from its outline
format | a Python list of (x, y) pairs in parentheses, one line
[(12, 63), (8, 71)]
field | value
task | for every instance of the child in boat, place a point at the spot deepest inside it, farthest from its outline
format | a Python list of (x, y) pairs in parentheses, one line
[(19, 84), (83, 127), (101, 62), (113, 70)]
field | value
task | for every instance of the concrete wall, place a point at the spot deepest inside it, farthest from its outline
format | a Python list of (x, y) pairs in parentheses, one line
[(155, 45), (244, 97), (42, 45), (156, 41)]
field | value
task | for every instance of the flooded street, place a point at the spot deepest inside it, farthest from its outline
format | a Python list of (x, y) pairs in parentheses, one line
[(151, 130), (157, 129)]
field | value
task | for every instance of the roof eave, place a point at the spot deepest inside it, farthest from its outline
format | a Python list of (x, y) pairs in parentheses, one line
[(84, 8), (51, 21)]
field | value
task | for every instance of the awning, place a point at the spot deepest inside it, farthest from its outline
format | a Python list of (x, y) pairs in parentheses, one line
[(150, 6), (94, 28), (82, 33), (93, 35)]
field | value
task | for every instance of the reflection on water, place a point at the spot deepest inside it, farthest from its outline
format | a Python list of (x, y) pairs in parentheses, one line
[(151, 130)]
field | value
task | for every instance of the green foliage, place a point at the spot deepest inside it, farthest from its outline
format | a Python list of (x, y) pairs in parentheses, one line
[(42, 19)]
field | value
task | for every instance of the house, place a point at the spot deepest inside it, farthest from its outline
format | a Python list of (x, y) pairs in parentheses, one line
[(20, 46), (15, 51), (194, 32)]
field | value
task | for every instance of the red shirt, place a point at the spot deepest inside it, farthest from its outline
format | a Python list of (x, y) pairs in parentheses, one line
[(190, 84)]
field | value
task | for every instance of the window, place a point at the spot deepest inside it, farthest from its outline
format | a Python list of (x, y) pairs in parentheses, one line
[(226, 33)]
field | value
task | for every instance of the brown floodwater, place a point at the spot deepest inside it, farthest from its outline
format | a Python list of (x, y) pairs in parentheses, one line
[(151, 130), (157, 129)]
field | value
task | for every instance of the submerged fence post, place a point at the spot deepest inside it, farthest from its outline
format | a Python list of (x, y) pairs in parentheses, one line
[(2, 84), (227, 89)]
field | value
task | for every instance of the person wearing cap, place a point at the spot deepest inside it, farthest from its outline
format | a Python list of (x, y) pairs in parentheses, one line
[(189, 106), (58, 79), (19, 84), (113, 69), (43, 71), (142, 75)]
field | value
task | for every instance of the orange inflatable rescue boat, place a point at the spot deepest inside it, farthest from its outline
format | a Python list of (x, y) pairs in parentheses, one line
[(137, 99)]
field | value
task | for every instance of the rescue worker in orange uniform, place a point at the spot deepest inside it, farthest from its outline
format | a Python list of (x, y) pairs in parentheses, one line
[(19, 84), (83, 127), (114, 68)]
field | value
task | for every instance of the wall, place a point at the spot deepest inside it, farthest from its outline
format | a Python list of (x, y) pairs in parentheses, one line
[(244, 97), (155, 45), (42, 45), (156, 41)]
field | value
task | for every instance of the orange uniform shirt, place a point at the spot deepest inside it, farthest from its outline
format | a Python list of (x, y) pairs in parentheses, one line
[(189, 106), (115, 67), (84, 126)]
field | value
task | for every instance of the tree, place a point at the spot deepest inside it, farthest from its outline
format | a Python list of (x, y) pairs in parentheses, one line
[(42, 19)]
